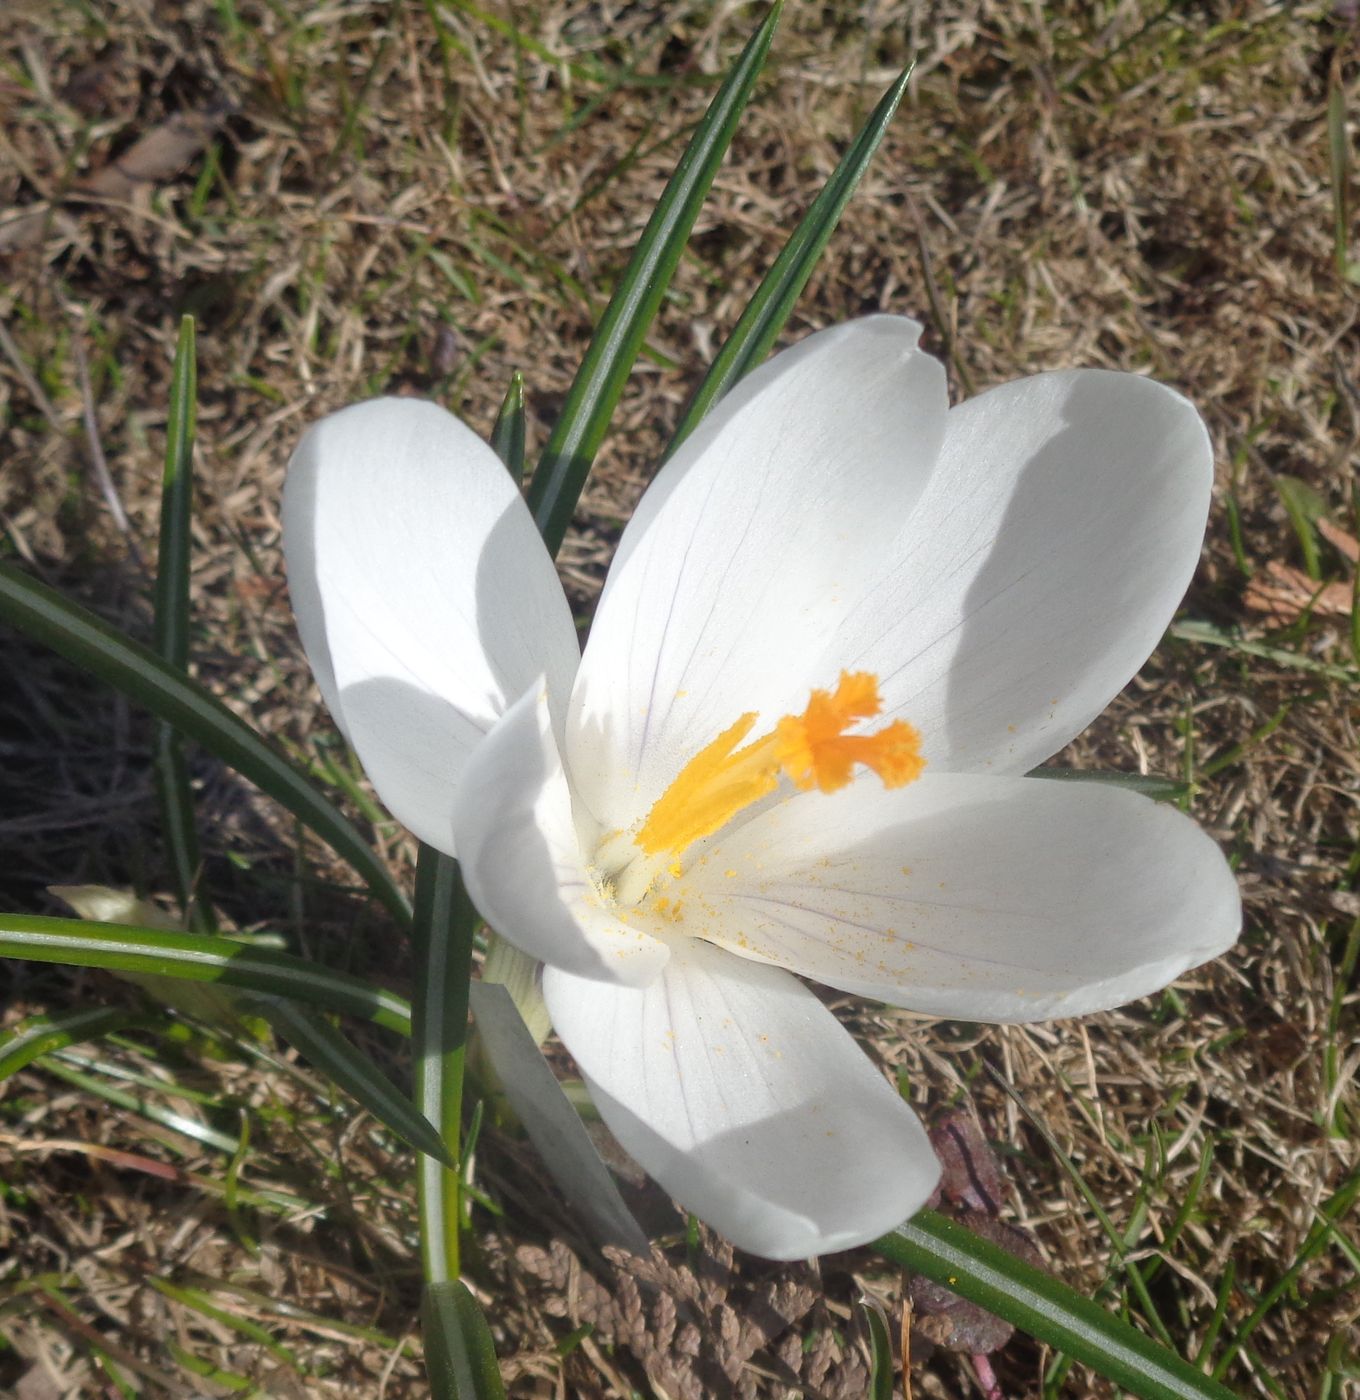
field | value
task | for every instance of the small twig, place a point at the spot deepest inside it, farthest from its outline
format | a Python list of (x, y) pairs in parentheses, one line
[(96, 451), (35, 389), (98, 461), (937, 304)]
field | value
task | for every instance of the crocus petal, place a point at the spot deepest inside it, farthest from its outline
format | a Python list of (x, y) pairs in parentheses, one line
[(521, 858), (746, 1099), (425, 598), (1040, 568), (746, 552), (971, 897)]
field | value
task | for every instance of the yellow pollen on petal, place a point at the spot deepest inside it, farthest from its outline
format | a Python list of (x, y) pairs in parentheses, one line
[(812, 750)]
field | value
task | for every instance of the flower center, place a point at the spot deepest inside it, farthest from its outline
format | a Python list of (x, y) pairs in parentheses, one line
[(812, 750)]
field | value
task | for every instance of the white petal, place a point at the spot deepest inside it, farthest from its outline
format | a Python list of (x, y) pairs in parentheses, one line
[(1040, 568), (972, 897), (746, 552), (748, 1101), (521, 859), (425, 598)]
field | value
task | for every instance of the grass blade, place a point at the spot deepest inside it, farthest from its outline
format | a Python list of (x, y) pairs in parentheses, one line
[(947, 1253), (198, 957), (590, 403), (1339, 153), (136, 1101), (882, 1370), (1149, 784), (1206, 634), (172, 557), (355, 1073), (1304, 505), (1119, 1246), (1332, 1211), (769, 309), (507, 437), (459, 1354), (40, 1035), (137, 672), (443, 928), (171, 638)]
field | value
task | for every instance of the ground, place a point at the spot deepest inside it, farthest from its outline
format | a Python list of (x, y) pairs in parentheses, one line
[(425, 198)]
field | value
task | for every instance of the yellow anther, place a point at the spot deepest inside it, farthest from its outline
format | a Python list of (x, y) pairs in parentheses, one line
[(714, 785), (811, 750)]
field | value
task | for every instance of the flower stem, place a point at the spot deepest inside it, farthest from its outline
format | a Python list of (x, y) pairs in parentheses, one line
[(444, 925)]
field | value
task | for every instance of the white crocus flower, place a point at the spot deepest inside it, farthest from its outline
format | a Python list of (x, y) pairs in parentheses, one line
[(677, 824)]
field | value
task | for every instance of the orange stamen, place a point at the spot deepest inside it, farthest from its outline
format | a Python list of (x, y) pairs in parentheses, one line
[(811, 749)]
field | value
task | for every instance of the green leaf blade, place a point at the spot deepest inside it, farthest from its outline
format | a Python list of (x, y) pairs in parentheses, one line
[(139, 673), (1305, 506), (508, 435), (443, 930), (172, 556), (882, 1368), (459, 1354), (174, 795), (197, 957), (1151, 785), (355, 1073), (947, 1253), (37, 1036), (594, 394), (769, 309)]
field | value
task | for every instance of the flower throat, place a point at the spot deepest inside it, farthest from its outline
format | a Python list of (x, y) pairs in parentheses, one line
[(812, 750)]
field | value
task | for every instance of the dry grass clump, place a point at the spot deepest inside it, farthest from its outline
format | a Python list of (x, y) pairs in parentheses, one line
[(374, 198)]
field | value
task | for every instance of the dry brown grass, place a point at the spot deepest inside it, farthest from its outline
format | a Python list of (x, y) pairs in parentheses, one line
[(405, 196)]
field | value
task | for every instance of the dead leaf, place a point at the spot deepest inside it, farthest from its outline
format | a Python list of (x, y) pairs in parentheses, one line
[(1285, 593), (970, 1173), (1346, 545), (159, 155), (905, 1342)]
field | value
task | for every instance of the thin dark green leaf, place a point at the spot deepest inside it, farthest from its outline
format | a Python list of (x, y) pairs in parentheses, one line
[(1206, 634), (590, 403), (1355, 581), (198, 957), (172, 557), (1305, 506), (354, 1072), (137, 1102), (460, 1358), (1149, 784), (137, 672), (174, 800), (1118, 1244), (1332, 1211), (769, 309), (40, 1035), (947, 1253), (507, 437), (171, 636), (882, 1369), (443, 929)]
